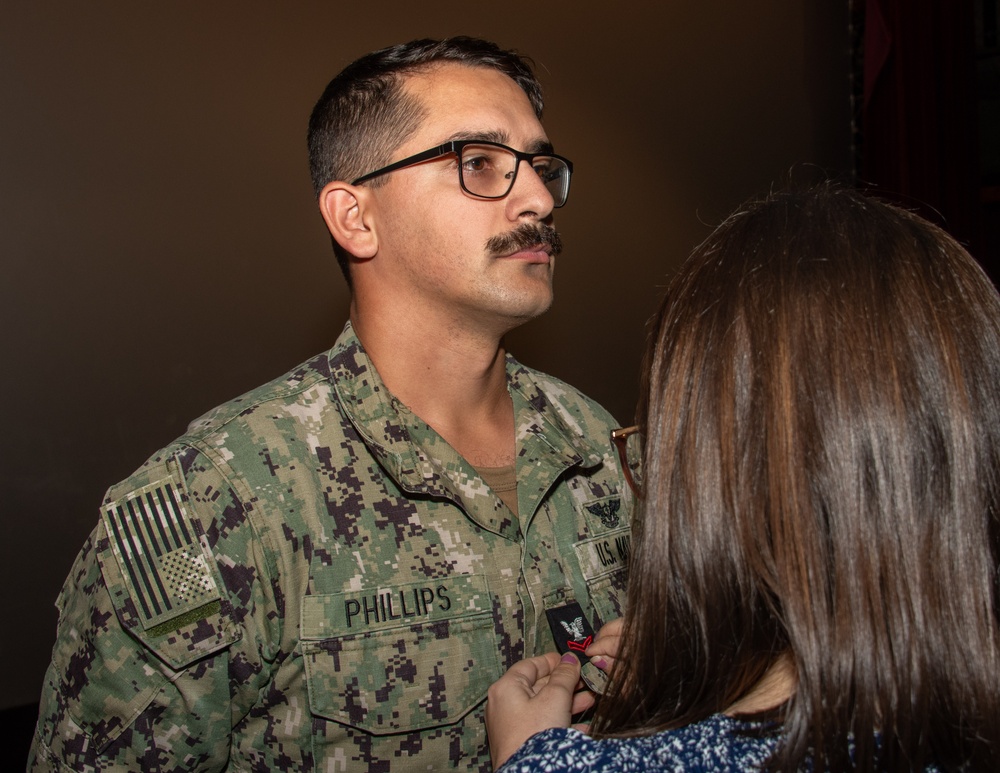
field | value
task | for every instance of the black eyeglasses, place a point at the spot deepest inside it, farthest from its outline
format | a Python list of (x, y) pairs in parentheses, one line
[(488, 170), (628, 441)]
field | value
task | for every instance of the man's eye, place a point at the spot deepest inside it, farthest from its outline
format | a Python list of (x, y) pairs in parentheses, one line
[(543, 167), (475, 164)]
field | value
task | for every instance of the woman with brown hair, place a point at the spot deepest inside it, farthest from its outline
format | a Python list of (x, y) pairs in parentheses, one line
[(814, 579)]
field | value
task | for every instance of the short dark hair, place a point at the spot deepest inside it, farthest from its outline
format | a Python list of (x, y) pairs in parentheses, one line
[(364, 115), (822, 482)]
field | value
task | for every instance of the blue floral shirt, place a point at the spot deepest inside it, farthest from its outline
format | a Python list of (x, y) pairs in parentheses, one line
[(718, 744), (715, 744)]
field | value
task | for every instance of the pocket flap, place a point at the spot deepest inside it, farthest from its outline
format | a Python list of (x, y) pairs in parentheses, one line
[(400, 659)]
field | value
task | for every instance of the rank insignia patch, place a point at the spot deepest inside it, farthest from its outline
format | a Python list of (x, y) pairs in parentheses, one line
[(573, 633), (607, 511), (159, 555)]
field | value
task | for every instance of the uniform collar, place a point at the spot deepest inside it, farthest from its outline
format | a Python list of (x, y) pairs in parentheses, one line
[(548, 438)]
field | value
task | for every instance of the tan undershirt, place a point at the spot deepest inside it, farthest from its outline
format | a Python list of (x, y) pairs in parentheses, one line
[(503, 481)]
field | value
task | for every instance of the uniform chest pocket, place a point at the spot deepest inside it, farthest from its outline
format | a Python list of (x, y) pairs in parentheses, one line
[(403, 658)]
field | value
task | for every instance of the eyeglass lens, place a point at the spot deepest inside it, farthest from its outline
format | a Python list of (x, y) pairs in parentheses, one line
[(489, 171)]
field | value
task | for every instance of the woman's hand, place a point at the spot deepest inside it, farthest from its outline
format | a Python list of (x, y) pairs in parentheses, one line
[(534, 695), (604, 649)]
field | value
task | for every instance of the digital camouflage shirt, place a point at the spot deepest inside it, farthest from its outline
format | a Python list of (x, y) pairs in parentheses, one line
[(313, 579)]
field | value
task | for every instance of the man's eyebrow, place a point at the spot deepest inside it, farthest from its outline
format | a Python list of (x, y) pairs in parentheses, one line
[(501, 137), (540, 146), (481, 136)]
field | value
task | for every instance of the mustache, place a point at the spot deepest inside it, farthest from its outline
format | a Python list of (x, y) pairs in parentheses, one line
[(524, 237)]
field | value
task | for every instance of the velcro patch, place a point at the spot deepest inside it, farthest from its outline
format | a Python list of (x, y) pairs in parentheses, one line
[(158, 553), (573, 633), (604, 554), (607, 510), (379, 608)]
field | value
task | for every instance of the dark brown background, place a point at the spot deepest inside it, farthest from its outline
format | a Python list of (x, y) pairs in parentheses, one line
[(161, 250)]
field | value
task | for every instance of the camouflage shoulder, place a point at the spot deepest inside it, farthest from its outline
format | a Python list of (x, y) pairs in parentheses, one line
[(299, 379), (158, 566)]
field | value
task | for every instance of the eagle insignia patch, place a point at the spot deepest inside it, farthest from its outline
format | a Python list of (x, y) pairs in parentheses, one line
[(573, 633), (607, 511)]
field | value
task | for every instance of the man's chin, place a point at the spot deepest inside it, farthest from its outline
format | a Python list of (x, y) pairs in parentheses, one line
[(532, 310)]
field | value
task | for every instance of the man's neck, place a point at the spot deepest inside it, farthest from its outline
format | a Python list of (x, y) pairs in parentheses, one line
[(453, 379)]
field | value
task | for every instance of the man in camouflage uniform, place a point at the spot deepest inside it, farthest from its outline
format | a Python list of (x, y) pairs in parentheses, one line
[(329, 572)]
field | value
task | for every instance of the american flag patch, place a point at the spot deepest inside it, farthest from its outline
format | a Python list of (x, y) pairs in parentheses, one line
[(158, 553)]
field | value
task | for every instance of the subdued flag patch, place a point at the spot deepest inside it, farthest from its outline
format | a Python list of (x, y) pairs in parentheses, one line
[(158, 552)]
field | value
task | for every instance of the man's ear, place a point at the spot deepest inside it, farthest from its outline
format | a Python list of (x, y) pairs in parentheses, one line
[(347, 210)]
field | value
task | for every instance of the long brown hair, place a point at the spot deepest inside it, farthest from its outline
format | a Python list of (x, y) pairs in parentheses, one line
[(822, 422)]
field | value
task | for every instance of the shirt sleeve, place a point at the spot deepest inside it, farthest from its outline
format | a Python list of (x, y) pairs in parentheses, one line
[(161, 644)]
